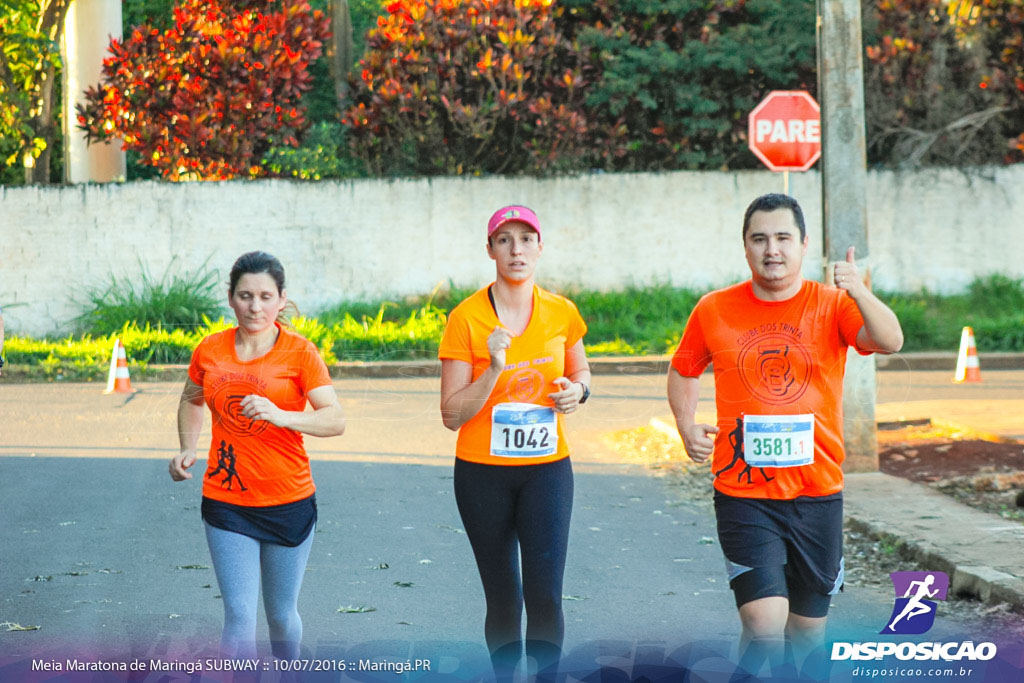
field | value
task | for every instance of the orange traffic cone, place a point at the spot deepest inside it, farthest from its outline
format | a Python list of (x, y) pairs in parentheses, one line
[(118, 380), (967, 367)]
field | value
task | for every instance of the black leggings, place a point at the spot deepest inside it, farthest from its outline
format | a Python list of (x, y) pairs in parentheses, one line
[(505, 509)]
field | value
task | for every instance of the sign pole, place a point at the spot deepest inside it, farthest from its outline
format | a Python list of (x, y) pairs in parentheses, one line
[(785, 183)]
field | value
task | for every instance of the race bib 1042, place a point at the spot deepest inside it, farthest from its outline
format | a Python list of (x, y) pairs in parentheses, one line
[(778, 440), (523, 430)]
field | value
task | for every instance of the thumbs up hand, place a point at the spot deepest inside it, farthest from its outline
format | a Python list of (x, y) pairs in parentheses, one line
[(846, 276)]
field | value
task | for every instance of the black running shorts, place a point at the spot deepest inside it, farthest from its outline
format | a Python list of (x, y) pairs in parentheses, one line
[(787, 548)]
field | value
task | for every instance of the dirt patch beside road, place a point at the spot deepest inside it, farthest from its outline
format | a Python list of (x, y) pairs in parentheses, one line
[(976, 469)]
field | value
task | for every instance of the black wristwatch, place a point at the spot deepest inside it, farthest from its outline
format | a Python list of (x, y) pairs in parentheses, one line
[(586, 392)]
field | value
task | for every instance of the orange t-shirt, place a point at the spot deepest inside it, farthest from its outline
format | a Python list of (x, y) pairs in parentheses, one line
[(533, 361), (251, 462), (774, 358)]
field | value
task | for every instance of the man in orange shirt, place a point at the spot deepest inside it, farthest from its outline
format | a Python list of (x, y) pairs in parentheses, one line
[(778, 345)]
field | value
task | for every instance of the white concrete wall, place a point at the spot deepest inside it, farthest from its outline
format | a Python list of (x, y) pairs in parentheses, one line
[(374, 238)]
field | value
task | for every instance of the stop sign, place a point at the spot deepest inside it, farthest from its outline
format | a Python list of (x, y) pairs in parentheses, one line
[(784, 131)]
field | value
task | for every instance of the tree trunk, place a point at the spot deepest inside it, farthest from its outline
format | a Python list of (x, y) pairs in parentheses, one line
[(51, 25), (42, 124), (339, 49)]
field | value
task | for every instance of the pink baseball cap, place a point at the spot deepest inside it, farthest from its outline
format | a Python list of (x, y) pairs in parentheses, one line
[(512, 213)]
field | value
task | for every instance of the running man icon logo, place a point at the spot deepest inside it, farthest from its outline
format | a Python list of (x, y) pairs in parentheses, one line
[(916, 592)]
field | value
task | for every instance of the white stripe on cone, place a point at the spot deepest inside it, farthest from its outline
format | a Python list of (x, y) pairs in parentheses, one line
[(968, 369), (113, 367), (118, 379)]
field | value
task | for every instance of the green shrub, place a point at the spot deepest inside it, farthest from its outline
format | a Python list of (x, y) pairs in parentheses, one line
[(182, 300), (322, 154), (396, 310), (418, 336), (615, 347), (321, 335), (645, 320), (161, 346), (635, 321), (996, 295), (68, 359)]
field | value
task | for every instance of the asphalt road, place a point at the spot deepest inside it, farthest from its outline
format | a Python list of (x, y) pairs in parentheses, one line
[(106, 555)]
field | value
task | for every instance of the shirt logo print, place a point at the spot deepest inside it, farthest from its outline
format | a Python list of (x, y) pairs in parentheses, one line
[(775, 368), (525, 385), (227, 399)]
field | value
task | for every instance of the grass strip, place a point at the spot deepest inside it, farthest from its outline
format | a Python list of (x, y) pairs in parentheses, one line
[(634, 321)]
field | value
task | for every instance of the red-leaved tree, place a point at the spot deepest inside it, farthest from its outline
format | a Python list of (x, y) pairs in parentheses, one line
[(204, 99), (468, 86), (944, 82), (1004, 38)]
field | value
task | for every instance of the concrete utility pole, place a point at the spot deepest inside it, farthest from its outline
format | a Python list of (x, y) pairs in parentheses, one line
[(89, 26), (844, 198)]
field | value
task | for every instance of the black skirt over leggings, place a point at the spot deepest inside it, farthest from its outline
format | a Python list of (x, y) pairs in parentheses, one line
[(507, 510)]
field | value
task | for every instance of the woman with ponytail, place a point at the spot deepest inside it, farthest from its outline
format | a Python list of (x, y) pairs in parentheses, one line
[(259, 505)]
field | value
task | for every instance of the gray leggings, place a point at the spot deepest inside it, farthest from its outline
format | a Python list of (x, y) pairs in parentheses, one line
[(240, 562)]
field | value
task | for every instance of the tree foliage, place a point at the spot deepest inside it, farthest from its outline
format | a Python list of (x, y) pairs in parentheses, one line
[(205, 98), (668, 84), (676, 79), (506, 86), (1004, 45), (939, 82), (447, 86), (468, 86), (30, 32), (319, 156)]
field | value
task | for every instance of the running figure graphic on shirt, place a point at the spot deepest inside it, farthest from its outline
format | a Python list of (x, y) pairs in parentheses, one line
[(226, 463), (736, 441)]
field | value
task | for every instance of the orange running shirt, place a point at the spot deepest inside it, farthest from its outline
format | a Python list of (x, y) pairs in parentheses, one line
[(533, 361), (251, 462), (774, 358)]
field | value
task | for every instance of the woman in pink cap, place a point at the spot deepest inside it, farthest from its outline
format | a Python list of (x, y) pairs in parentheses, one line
[(512, 365)]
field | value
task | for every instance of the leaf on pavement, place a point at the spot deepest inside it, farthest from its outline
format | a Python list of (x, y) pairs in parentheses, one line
[(11, 626), (360, 609)]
